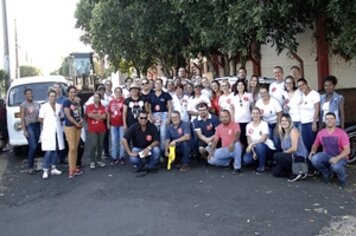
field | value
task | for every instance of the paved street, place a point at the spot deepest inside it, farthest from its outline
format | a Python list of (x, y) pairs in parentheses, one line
[(203, 201)]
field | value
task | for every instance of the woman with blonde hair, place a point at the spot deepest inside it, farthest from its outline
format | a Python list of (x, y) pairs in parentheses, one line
[(292, 145)]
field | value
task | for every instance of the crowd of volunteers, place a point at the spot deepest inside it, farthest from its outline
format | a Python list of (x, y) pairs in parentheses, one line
[(213, 122)]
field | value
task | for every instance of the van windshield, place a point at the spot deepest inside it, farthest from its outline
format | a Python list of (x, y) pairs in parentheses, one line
[(39, 90)]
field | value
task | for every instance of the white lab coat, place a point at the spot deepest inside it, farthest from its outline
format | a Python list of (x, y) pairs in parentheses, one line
[(51, 126)]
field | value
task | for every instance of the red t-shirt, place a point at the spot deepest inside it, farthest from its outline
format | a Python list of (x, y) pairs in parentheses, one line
[(334, 143), (116, 107), (215, 104), (96, 126), (226, 133)]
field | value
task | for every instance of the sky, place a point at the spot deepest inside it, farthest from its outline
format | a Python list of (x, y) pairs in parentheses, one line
[(46, 32)]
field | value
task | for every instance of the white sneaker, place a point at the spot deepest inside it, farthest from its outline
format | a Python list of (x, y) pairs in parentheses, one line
[(55, 171), (92, 165), (101, 164), (45, 174)]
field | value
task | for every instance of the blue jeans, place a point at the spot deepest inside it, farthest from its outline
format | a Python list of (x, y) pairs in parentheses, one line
[(321, 162), (274, 137), (33, 131), (117, 149), (183, 150), (222, 156), (298, 125), (50, 159), (308, 135), (160, 119), (150, 161), (262, 151)]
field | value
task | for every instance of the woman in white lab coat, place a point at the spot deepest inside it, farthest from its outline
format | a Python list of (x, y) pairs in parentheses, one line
[(52, 134)]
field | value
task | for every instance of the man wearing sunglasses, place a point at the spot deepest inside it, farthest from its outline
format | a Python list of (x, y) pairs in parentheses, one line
[(144, 136)]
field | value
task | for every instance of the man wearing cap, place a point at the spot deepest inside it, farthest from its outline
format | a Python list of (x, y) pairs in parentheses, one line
[(132, 106), (196, 99), (144, 137)]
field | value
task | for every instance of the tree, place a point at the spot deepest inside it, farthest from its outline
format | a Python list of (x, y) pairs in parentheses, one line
[(27, 71)]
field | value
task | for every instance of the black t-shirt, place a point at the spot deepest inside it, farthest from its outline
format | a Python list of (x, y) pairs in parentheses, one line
[(159, 104), (139, 138), (133, 108)]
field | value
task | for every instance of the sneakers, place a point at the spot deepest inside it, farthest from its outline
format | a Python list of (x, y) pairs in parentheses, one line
[(31, 171), (260, 172), (185, 168), (71, 175), (236, 171), (45, 174), (100, 164), (55, 171), (92, 165), (78, 171)]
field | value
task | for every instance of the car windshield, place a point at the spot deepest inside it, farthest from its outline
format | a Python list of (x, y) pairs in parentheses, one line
[(39, 90)]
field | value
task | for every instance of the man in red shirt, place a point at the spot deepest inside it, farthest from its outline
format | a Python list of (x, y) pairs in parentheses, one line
[(229, 134)]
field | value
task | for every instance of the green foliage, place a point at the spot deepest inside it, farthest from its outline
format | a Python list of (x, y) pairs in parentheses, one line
[(142, 33), (27, 71)]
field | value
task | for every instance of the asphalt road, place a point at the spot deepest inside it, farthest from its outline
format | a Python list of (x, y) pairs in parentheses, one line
[(204, 201)]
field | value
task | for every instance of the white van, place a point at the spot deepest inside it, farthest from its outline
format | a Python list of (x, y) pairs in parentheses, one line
[(40, 85)]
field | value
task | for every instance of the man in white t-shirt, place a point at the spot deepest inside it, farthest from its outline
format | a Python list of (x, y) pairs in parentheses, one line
[(276, 88)]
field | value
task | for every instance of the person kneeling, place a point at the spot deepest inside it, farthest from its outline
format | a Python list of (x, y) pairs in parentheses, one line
[(178, 135), (144, 136), (229, 133)]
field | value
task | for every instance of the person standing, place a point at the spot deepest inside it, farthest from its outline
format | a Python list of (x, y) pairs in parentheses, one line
[(29, 111), (277, 87), (132, 106), (115, 113), (96, 116), (336, 149), (292, 99), (178, 135), (72, 129), (332, 101), (229, 134), (144, 136), (52, 134), (159, 105), (310, 109), (180, 102)]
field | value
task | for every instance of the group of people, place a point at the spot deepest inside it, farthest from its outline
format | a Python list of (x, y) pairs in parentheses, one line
[(224, 125)]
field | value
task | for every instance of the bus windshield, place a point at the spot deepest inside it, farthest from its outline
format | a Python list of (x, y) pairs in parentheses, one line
[(39, 90)]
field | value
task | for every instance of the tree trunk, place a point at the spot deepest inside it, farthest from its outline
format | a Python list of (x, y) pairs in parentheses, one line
[(226, 65)]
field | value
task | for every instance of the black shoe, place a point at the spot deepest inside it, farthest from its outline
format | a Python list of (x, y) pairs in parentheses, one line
[(342, 185), (152, 170), (63, 162), (236, 171), (141, 168)]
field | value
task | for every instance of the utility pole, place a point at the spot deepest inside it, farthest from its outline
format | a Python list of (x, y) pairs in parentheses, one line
[(17, 68), (6, 44)]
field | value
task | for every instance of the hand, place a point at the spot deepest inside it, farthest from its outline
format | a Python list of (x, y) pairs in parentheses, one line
[(168, 121), (231, 147), (210, 156), (145, 152), (249, 148), (173, 143), (133, 154), (333, 160), (124, 127), (166, 154), (311, 155), (314, 127)]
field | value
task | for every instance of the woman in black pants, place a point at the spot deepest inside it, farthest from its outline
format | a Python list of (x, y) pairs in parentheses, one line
[(292, 144)]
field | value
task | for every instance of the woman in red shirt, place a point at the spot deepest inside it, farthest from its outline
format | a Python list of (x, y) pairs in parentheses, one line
[(96, 115), (215, 89), (115, 123)]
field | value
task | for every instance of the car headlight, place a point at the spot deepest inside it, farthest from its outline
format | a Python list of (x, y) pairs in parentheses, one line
[(18, 126)]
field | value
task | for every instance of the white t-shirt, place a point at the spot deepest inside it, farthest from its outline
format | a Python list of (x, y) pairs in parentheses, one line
[(242, 107), (293, 104), (225, 101), (255, 133), (194, 101), (307, 107), (181, 105), (269, 111), (276, 90)]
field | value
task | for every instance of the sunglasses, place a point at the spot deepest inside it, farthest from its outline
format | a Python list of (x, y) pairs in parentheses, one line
[(240, 103), (144, 84), (143, 118)]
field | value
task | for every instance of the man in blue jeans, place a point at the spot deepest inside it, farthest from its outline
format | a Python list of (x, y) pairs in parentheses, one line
[(336, 149), (178, 135), (229, 134), (144, 136)]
